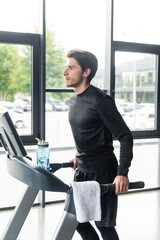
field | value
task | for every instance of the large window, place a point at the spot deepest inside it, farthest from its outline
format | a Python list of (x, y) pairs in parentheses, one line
[(136, 89), (19, 79), (134, 69), (136, 21), (20, 16), (66, 29), (15, 85), (73, 24), (19, 91), (133, 66)]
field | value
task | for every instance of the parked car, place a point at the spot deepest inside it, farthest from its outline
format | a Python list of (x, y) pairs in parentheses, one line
[(140, 119), (124, 104), (25, 104), (11, 106), (147, 105), (17, 118), (58, 105)]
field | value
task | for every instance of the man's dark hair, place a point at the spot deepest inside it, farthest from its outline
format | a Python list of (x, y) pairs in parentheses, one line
[(85, 60)]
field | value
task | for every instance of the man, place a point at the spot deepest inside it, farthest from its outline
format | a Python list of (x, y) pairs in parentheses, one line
[(94, 119)]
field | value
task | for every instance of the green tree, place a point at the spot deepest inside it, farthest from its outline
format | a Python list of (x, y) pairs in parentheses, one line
[(22, 75), (55, 61), (8, 62), (16, 64)]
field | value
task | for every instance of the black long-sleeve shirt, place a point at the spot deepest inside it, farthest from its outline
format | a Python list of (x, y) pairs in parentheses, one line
[(94, 119)]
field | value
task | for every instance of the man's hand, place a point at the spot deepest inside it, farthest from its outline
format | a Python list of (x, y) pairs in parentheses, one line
[(74, 160), (122, 184)]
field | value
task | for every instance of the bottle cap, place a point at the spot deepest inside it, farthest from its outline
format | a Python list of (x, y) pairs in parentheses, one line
[(42, 143)]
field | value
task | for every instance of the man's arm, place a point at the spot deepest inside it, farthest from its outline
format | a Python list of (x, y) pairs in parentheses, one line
[(113, 120)]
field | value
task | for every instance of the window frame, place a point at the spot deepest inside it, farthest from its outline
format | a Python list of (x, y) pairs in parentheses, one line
[(139, 48), (32, 40), (111, 48)]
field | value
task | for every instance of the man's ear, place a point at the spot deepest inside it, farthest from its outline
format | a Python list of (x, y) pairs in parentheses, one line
[(87, 72)]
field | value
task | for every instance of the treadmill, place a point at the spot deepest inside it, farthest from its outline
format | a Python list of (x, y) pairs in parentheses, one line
[(21, 167)]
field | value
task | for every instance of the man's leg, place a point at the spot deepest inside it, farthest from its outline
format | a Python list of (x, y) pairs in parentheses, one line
[(87, 231), (108, 233)]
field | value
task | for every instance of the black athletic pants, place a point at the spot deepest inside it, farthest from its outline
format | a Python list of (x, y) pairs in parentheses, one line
[(87, 232)]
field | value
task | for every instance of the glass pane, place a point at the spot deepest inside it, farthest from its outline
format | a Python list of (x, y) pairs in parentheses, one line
[(15, 85), (20, 16), (67, 29), (136, 89), (137, 21), (58, 131), (11, 189), (145, 164), (65, 174)]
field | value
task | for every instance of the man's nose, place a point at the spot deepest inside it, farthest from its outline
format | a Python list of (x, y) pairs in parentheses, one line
[(65, 72)]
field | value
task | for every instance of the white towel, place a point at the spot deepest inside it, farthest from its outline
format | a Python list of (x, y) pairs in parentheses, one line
[(86, 197)]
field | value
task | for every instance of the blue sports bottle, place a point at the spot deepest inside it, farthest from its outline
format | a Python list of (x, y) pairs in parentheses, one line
[(43, 153)]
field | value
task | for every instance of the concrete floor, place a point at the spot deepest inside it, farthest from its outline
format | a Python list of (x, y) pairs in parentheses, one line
[(138, 219)]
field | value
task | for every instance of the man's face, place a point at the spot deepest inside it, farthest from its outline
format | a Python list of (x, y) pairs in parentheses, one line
[(73, 73)]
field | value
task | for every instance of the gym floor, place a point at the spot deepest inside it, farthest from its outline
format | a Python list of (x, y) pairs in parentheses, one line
[(138, 219)]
